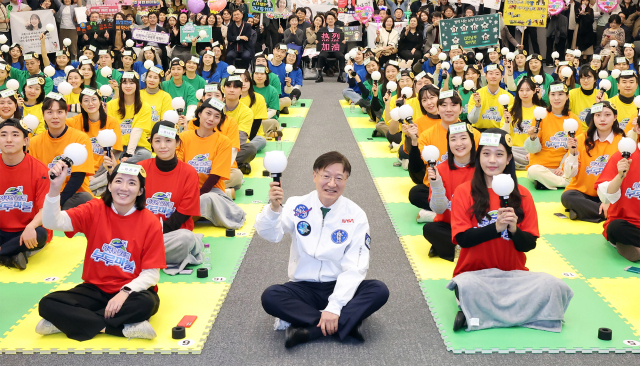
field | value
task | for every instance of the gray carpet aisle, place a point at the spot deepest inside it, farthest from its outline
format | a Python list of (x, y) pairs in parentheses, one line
[(401, 333)]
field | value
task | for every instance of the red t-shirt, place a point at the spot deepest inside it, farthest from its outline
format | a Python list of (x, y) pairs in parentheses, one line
[(177, 190), (627, 206), (497, 253), (22, 191), (450, 180), (118, 247)]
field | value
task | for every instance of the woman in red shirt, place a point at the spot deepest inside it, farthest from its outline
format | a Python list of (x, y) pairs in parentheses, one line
[(444, 178), (121, 266)]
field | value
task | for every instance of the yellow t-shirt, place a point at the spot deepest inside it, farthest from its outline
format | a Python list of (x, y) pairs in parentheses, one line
[(159, 102), (259, 109), (413, 102), (36, 110), (72, 98), (519, 135), (491, 111), (244, 116), (626, 113), (580, 104), (132, 120)]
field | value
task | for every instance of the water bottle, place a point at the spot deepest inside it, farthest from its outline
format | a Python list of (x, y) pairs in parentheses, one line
[(353, 107), (294, 101), (279, 143), (457, 255), (206, 253)]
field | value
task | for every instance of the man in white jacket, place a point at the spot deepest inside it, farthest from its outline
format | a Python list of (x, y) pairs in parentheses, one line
[(327, 293)]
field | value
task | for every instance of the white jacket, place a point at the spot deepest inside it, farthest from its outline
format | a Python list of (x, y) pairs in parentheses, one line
[(335, 248)]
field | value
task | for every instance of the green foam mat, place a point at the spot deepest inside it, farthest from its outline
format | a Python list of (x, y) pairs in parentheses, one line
[(403, 216), (292, 122), (364, 134), (383, 167), (16, 299)]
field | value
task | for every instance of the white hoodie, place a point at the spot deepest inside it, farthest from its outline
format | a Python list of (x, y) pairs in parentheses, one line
[(335, 248)]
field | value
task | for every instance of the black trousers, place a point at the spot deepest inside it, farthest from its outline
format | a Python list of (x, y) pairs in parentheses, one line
[(79, 312), (419, 196), (322, 59), (10, 242), (531, 33), (299, 303), (397, 138), (245, 55), (624, 232), (439, 235), (559, 47), (585, 206), (407, 55)]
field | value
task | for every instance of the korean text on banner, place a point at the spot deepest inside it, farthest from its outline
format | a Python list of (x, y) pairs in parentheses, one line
[(526, 13), (149, 36), (26, 27), (469, 32), (189, 31)]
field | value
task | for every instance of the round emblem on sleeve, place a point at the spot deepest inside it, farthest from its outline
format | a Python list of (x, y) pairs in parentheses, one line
[(301, 211), (339, 236), (304, 228)]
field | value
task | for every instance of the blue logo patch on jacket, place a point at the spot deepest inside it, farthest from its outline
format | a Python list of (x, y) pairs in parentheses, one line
[(301, 211), (367, 241), (339, 236), (304, 228)]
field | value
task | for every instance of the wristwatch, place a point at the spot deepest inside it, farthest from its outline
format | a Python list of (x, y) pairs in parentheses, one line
[(127, 290)]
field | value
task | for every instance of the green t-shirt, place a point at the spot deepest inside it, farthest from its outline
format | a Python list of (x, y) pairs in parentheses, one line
[(23, 75), (196, 83), (115, 75), (271, 96), (185, 91), (465, 96), (274, 81)]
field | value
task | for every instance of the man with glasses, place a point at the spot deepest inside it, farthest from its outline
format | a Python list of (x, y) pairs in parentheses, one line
[(327, 293)]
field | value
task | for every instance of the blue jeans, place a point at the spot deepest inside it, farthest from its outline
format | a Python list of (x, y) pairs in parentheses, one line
[(259, 143), (351, 95)]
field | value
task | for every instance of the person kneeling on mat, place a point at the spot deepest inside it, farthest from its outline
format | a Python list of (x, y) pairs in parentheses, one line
[(21, 176), (125, 252), (327, 293), (622, 228), (491, 281)]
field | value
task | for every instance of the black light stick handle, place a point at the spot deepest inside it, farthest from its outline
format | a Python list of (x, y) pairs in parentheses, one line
[(537, 125), (108, 150), (276, 178), (504, 201), (66, 161), (432, 165)]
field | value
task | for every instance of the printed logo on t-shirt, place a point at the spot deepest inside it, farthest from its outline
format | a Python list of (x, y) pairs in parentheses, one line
[(526, 124), (115, 254), (623, 123), (58, 80), (126, 126), (160, 204), (557, 141), (97, 149), (494, 218), (597, 165), (443, 158), (14, 199), (492, 114), (465, 109), (201, 163), (584, 113), (633, 192), (55, 161), (154, 114)]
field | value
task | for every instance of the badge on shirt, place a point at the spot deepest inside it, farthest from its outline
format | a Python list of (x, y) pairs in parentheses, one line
[(167, 132), (304, 228), (367, 241), (301, 211), (339, 236), (490, 139)]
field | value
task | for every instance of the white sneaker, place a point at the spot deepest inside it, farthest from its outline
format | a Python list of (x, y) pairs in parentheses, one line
[(139, 330), (45, 327), (425, 216), (280, 324), (405, 164), (231, 193), (394, 147)]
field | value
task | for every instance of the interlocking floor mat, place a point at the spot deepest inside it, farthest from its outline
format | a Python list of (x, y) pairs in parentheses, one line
[(605, 295), (59, 267)]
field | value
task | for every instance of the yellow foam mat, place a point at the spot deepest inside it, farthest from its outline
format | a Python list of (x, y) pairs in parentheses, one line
[(417, 250), (173, 307), (344, 103), (56, 259), (256, 168), (361, 122), (394, 189), (549, 224), (521, 174), (290, 134), (376, 149), (544, 258), (296, 112), (251, 211), (623, 295)]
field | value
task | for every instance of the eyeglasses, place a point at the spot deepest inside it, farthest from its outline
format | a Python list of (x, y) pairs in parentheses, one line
[(327, 178)]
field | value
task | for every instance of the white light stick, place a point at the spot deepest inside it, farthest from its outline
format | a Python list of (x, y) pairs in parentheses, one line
[(504, 101), (504, 50), (348, 68), (130, 43), (433, 51), (555, 55), (615, 73), (178, 105), (431, 154), (13, 84), (406, 113), (106, 72), (66, 42), (231, 69), (275, 162), (65, 88), (627, 146), (570, 126), (202, 34), (395, 114), (68, 69), (347, 57), (148, 64), (5, 48), (613, 43), (539, 113), (577, 53), (603, 74), (375, 76), (503, 185), (106, 139), (407, 91), (446, 66), (82, 58), (74, 154), (269, 57), (511, 56), (457, 81), (31, 121), (538, 79), (288, 68), (199, 93), (442, 56), (566, 72), (50, 28), (3, 39), (469, 85), (171, 116), (106, 90), (605, 85), (479, 56), (49, 71), (353, 53), (392, 86)]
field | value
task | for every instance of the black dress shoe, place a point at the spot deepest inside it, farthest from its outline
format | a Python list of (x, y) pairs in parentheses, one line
[(355, 332), (432, 252), (285, 110), (295, 336), (341, 78), (539, 186), (375, 133), (245, 168), (319, 79), (460, 322), (330, 73)]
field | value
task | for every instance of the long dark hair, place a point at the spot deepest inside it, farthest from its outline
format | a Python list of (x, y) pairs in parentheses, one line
[(40, 97), (480, 191), (18, 113), (200, 68), (205, 104), (472, 153), (85, 115), (251, 92), (20, 59), (137, 103), (430, 89), (536, 57), (516, 110), (589, 140), (92, 82), (572, 78), (107, 198), (565, 110)]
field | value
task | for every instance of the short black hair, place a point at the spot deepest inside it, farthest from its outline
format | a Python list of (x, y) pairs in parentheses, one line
[(298, 10), (330, 158), (62, 104)]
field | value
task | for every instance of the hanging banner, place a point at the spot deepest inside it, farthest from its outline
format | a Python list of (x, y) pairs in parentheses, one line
[(261, 6), (189, 31), (149, 36), (145, 3), (488, 4), (354, 10), (353, 34), (105, 9), (26, 27), (469, 32), (526, 13)]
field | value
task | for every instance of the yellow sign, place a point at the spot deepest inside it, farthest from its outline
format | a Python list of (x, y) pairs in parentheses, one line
[(526, 13)]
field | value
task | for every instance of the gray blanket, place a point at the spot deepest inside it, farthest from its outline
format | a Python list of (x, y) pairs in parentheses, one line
[(182, 247), (218, 208), (491, 298)]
